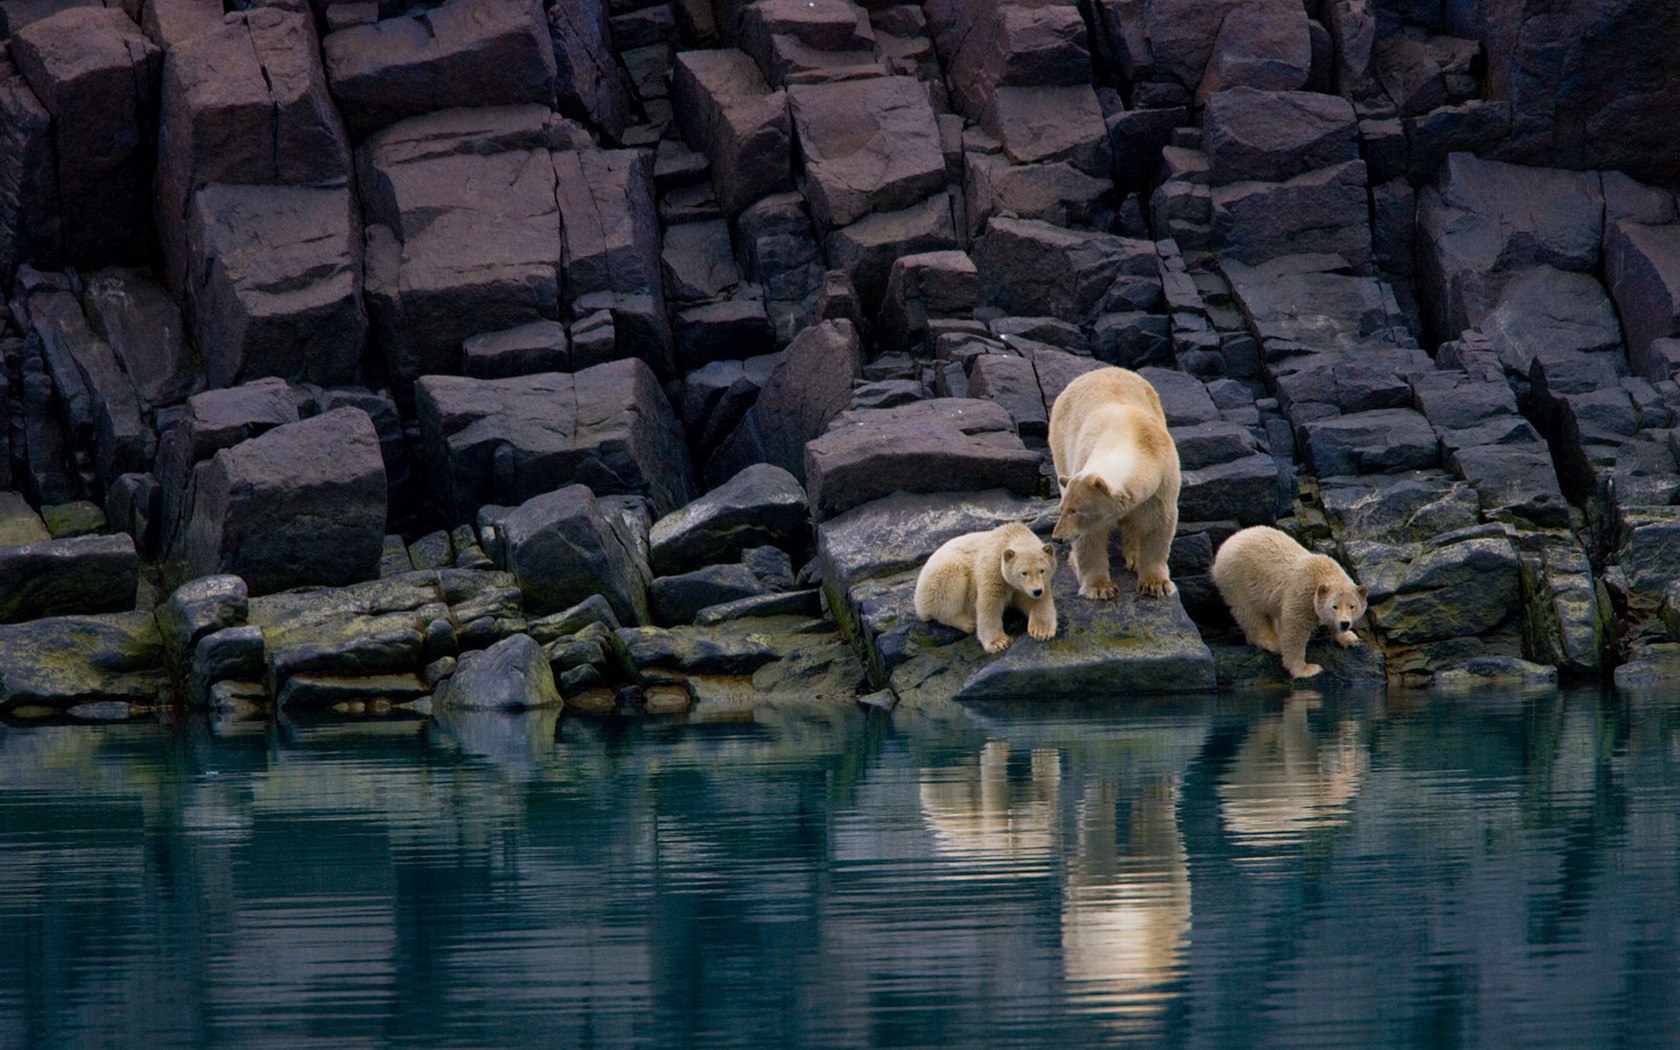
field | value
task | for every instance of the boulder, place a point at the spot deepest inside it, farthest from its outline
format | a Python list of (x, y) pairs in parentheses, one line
[(1057, 193), (56, 577), (1385, 440), (536, 346), (762, 505), (1033, 268), (698, 262), (97, 75), (1251, 135), (60, 661), (511, 675), (143, 326), (1642, 269), (1481, 221), (1182, 34), (31, 219), (566, 545), (168, 22), (611, 227), (716, 397), (1451, 589), (929, 284), (460, 53), (1050, 123), (1543, 309), (1325, 210), (730, 114), (679, 599), (274, 284), (506, 440), (944, 445), (868, 146), (463, 232), (734, 328), (779, 246), (866, 249), (198, 608), (589, 84), (1267, 47), (244, 103), (810, 384), (303, 503)]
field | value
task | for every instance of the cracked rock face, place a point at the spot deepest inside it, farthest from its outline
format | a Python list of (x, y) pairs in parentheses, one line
[(745, 278)]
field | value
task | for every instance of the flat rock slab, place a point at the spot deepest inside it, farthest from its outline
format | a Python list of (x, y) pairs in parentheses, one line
[(944, 445), (86, 574), (506, 440), (871, 556), (869, 145), (61, 661)]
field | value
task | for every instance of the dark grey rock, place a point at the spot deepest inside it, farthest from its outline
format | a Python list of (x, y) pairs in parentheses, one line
[(730, 114), (1270, 49), (763, 504), (564, 546), (1243, 489), (922, 286), (944, 445), (698, 262), (589, 84), (1482, 221), (60, 661), (537, 346), (505, 440), (734, 328), (197, 608), (1252, 135), (302, 503), (866, 249), (1543, 310), (84, 574), (274, 284), (511, 675), (1033, 268), (1455, 589), (97, 76), (1054, 192), (1642, 269), (236, 653), (441, 266), (807, 388), (1385, 440), (460, 53), (720, 650), (677, 599), (1323, 210), (779, 247), (244, 103), (141, 323), (868, 145)]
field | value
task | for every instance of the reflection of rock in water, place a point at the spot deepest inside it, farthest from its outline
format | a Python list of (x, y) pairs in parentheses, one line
[(1126, 911), (1285, 780), (1125, 903), (520, 742)]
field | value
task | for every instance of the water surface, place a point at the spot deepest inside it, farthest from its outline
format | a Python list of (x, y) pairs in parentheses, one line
[(1486, 870)]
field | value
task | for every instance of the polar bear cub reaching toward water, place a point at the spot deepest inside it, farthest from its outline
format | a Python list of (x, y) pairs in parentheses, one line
[(1280, 592), (970, 580)]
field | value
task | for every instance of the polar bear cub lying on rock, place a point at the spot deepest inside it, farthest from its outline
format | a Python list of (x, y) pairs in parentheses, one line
[(970, 580), (1279, 592), (1117, 467)]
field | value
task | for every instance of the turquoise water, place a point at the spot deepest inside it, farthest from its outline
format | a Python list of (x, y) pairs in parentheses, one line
[(1486, 870)]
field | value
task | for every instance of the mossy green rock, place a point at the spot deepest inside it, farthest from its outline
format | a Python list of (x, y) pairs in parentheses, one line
[(62, 661)]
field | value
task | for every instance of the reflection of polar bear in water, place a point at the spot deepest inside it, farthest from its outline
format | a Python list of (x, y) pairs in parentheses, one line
[(1125, 902), (1285, 780)]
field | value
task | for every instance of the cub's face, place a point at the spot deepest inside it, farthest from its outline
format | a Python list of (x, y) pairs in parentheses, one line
[(1338, 607), (1028, 568), (1086, 499)]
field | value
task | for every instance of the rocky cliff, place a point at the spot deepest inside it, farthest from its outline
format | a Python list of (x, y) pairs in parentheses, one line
[(359, 352)]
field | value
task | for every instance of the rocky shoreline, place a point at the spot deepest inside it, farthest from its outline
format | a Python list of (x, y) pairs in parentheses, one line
[(633, 355)]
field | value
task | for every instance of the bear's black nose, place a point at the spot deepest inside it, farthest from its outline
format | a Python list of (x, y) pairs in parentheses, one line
[(1346, 624), (1038, 592)]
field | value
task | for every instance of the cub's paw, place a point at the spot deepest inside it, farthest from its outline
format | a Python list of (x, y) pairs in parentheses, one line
[(996, 645), (1347, 639), (1156, 588), (1042, 629), (1307, 671), (1101, 590)]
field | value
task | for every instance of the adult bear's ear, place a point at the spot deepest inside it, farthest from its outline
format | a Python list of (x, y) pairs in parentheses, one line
[(1062, 481), (1009, 554), (1049, 551)]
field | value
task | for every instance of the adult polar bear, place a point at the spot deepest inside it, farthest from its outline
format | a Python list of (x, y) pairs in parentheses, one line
[(1117, 467)]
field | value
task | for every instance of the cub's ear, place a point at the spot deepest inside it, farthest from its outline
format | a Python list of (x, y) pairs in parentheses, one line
[(1049, 551), (1363, 591), (1009, 554), (1323, 589)]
